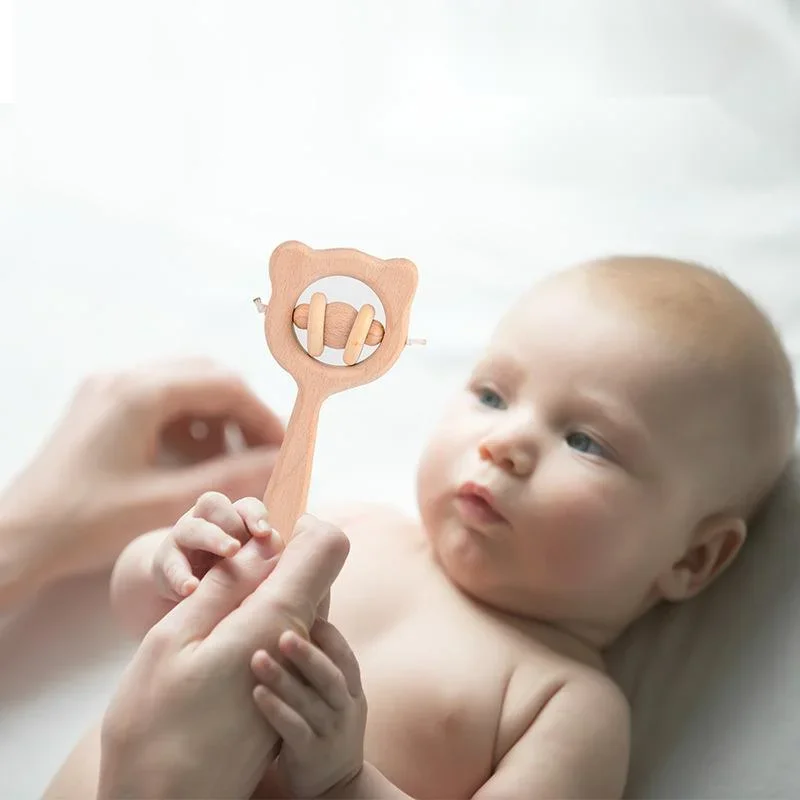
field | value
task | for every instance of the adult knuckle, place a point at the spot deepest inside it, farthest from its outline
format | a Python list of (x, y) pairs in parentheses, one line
[(158, 642), (308, 522), (328, 534), (326, 726), (337, 682), (288, 609), (278, 603), (306, 737)]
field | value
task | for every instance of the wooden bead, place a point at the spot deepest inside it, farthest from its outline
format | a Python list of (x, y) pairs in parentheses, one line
[(339, 321)]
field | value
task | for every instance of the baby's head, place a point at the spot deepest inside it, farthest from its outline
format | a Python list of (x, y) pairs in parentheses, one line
[(626, 421)]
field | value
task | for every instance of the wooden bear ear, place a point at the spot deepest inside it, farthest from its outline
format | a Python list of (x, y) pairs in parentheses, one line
[(404, 278), (287, 258), (294, 266), (289, 267)]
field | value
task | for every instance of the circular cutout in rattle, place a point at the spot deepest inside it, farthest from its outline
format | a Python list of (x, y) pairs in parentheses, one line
[(339, 320)]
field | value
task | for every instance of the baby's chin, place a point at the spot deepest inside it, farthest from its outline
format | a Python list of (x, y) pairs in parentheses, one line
[(465, 557), (481, 570), (476, 563)]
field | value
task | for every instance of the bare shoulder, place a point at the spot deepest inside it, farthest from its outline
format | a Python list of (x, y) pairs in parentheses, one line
[(589, 699), (567, 736), (583, 694)]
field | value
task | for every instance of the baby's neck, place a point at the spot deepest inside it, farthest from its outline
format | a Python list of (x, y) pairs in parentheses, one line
[(582, 640), (579, 643), (595, 637)]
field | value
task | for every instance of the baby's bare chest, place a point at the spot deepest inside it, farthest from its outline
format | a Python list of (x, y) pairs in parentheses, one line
[(434, 669)]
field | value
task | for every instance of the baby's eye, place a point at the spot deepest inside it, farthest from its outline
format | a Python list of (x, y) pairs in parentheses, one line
[(585, 444), (488, 397)]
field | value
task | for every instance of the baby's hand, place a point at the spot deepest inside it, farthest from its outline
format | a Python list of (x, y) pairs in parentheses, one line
[(214, 528), (321, 717)]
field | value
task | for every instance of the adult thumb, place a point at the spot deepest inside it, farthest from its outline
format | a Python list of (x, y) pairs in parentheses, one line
[(223, 588), (299, 584)]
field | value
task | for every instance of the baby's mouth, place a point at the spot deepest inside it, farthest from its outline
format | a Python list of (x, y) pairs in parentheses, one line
[(475, 503)]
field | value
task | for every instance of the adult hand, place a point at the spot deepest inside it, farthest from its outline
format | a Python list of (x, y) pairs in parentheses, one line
[(98, 482), (183, 722)]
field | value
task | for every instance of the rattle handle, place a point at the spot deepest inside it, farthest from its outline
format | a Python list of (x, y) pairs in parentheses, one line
[(287, 490)]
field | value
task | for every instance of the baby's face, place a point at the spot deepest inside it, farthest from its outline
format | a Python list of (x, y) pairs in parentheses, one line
[(563, 480)]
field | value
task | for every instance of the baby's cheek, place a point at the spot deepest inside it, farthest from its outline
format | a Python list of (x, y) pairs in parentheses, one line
[(445, 451), (433, 472), (581, 529)]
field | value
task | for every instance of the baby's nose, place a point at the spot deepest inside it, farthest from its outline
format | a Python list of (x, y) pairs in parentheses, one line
[(508, 456)]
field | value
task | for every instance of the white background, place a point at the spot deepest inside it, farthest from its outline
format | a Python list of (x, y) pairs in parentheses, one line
[(158, 151), (6, 52)]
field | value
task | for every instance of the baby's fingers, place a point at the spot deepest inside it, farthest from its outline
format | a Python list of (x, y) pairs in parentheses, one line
[(316, 668), (288, 724), (193, 533), (176, 574), (254, 515), (302, 699), (335, 646)]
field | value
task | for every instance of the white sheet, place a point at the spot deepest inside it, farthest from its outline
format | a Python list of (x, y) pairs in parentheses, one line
[(157, 153)]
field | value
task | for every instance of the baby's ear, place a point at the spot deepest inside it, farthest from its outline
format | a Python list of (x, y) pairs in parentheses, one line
[(717, 541)]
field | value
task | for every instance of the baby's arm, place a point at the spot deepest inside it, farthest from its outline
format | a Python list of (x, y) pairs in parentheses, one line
[(575, 747), (135, 599)]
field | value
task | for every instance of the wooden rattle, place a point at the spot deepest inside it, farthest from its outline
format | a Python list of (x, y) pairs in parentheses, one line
[(293, 267)]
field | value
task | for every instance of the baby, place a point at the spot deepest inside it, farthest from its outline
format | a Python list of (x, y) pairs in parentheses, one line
[(628, 418)]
